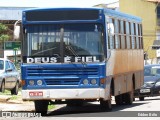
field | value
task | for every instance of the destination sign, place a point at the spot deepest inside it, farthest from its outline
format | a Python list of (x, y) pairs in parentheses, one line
[(67, 59)]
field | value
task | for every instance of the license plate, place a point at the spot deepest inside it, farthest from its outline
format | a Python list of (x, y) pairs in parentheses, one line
[(144, 90), (37, 93)]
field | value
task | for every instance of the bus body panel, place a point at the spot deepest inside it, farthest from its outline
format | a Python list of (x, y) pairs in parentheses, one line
[(121, 70), (54, 94), (122, 66)]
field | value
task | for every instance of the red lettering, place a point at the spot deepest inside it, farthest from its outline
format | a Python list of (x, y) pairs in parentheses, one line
[(37, 93)]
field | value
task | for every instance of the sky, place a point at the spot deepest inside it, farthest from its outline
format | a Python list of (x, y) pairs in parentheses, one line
[(53, 3)]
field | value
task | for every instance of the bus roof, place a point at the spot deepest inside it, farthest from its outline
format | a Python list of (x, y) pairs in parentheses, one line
[(110, 12), (121, 15)]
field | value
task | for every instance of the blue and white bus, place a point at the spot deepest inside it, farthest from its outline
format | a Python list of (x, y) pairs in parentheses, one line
[(76, 55)]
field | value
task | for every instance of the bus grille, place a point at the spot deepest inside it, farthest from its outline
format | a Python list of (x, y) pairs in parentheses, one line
[(61, 76), (62, 81)]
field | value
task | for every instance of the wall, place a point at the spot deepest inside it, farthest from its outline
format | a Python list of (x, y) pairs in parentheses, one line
[(147, 11)]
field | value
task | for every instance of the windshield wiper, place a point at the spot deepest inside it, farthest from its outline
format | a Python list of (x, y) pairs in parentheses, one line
[(44, 51), (74, 53)]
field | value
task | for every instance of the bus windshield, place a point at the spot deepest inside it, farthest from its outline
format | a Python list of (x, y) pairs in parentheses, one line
[(66, 43)]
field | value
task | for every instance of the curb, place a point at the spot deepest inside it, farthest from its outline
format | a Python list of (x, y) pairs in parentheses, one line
[(7, 99), (4, 98)]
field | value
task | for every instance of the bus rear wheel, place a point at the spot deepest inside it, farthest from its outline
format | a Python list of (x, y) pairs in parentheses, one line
[(119, 99), (129, 97), (41, 106)]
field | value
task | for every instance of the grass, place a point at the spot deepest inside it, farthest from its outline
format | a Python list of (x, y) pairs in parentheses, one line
[(15, 97), (8, 93), (50, 107)]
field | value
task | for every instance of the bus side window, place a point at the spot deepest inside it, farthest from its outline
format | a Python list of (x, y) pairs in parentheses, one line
[(132, 36), (111, 36), (117, 39), (140, 36), (137, 40), (123, 42), (128, 36)]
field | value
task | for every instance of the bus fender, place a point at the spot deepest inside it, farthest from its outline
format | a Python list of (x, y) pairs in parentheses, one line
[(107, 88)]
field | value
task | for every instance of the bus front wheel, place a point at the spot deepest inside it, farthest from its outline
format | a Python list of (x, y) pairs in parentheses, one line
[(41, 106), (106, 105)]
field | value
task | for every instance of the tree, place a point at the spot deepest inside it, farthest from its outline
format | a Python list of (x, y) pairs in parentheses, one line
[(3, 31)]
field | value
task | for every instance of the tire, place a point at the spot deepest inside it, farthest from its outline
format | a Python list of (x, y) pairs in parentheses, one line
[(106, 105), (119, 100), (41, 106), (14, 91), (141, 98), (129, 97), (2, 89), (134, 99)]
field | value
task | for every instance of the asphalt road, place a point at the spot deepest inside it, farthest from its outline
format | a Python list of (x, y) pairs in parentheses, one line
[(148, 109), (149, 106)]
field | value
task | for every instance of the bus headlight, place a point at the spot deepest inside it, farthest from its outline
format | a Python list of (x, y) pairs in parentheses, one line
[(39, 82), (31, 82), (85, 82), (93, 81)]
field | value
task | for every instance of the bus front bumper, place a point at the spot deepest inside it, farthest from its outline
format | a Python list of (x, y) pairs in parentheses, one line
[(53, 94)]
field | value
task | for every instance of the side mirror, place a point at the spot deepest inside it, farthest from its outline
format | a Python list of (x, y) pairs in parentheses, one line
[(8, 70), (110, 29), (16, 32)]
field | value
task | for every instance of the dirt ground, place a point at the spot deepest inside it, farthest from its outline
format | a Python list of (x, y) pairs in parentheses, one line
[(15, 103)]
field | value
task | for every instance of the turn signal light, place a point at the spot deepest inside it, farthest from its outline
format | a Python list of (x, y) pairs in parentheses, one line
[(23, 82), (102, 80)]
